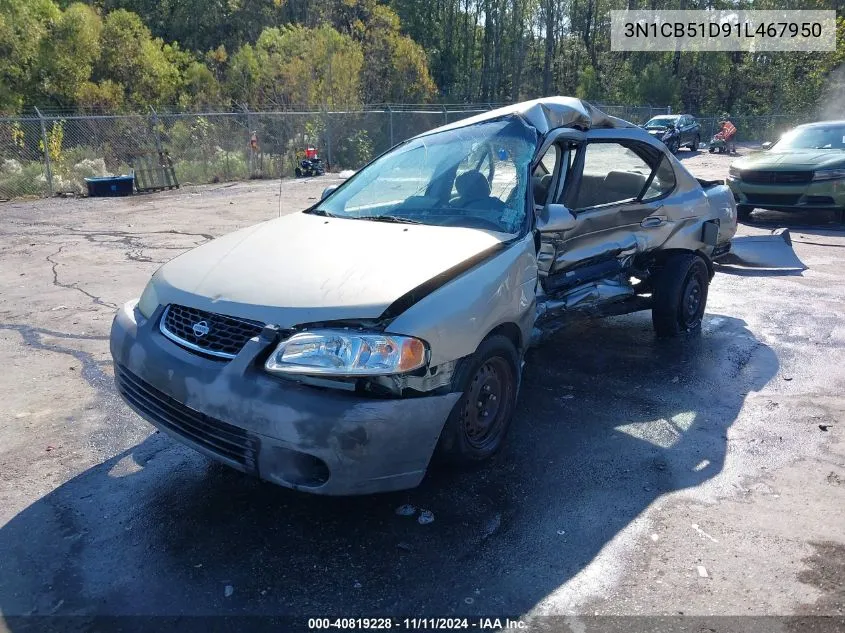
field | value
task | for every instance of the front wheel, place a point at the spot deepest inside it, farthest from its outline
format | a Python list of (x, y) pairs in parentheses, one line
[(674, 145), (743, 212), (477, 425), (695, 144), (680, 295), (712, 149)]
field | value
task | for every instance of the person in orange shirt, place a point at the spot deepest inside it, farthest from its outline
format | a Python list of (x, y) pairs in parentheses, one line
[(728, 130)]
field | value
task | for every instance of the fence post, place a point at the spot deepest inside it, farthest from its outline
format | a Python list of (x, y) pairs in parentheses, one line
[(328, 141), (250, 153), (390, 123), (154, 124), (47, 166)]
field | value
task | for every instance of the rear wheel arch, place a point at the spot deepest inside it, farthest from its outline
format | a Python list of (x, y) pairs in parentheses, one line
[(662, 256)]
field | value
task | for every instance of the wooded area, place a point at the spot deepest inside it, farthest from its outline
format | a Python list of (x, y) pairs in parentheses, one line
[(128, 55)]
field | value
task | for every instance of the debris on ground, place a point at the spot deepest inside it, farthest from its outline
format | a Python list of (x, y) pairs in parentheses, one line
[(469, 600), (357, 585), (654, 537), (426, 517), (824, 427), (405, 547), (561, 532), (702, 571), (701, 532), (406, 510), (228, 590)]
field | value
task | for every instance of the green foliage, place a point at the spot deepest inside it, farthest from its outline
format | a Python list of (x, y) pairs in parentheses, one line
[(22, 180), (296, 65), (55, 139), (23, 25), (68, 53), (354, 151), (196, 54)]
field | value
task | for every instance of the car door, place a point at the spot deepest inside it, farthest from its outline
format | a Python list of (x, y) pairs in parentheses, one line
[(682, 130), (615, 191), (695, 127)]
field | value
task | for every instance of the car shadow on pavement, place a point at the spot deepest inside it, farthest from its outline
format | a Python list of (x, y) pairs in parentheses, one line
[(609, 420)]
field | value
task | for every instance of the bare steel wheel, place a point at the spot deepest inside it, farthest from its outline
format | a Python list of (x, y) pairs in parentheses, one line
[(486, 403), (680, 295), (477, 426)]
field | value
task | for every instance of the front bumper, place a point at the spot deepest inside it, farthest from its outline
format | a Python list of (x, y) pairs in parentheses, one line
[(319, 440), (815, 196)]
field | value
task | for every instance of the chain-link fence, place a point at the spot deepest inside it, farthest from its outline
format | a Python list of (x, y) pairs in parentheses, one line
[(52, 154), (754, 129)]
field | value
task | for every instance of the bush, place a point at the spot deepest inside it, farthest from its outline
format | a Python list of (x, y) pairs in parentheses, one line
[(28, 181)]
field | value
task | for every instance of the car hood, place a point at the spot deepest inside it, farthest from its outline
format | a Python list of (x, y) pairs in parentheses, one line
[(793, 159), (304, 268)]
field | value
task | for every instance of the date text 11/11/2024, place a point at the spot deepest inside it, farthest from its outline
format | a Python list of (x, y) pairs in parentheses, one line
[(416, 624)]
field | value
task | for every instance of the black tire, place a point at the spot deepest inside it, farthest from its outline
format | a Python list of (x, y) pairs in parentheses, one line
[(489, 380), (680, 295), (712, 149), (674, 145), (743, 212), (694, 146), (298, 172)]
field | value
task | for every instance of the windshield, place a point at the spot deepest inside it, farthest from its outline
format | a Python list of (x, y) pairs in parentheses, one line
[(820, 137), (661, 122), (474, 176)]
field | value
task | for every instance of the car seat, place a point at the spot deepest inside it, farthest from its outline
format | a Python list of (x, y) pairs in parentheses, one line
[(474, 192)]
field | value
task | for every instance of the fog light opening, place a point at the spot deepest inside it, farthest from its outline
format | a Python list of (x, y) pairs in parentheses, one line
[(299, 469)]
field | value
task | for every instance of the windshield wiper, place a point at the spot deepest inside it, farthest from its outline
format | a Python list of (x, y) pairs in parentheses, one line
[(323, 213), (389, 218)]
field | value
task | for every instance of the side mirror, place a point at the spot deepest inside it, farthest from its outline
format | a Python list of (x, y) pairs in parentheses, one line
[(327, 192), (555, 218), (767, 145)]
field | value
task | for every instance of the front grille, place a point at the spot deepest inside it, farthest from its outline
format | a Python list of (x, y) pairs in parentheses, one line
[(772, 198), (776, 177), (207, 332), (224, 440)]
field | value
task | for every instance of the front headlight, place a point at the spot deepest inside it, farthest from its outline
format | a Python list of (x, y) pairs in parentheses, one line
[(346, 353), (734, 172), (829, 174), (148, 302)]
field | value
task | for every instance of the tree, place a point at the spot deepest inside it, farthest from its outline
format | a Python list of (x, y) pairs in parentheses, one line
[(23, 25), (296, 66), (68, 52), (131, 58)]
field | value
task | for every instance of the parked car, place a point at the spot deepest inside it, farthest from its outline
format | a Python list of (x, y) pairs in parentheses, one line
[(336, 349), (675, 130), (803, 171)]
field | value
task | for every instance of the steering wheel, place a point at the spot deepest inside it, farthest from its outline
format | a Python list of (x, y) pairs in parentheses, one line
[(473, 222)]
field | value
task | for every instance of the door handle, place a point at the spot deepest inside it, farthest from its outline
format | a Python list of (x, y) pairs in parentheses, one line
[(653, 221)]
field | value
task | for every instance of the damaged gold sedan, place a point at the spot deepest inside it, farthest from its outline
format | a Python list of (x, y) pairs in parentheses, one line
[(336, 349)]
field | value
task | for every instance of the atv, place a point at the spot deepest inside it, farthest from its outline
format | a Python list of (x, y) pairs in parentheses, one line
[(311, 165)]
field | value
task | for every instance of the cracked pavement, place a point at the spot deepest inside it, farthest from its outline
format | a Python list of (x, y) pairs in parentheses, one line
[(632, 463)]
